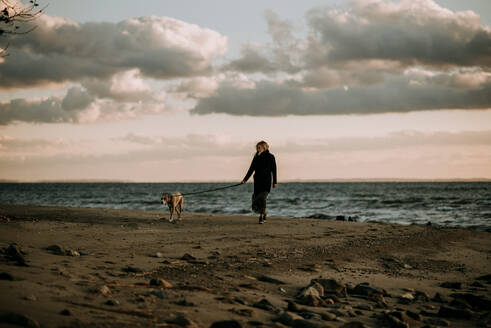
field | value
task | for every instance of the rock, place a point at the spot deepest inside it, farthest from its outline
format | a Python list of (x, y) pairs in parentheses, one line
[(287, 318), (311, 291), (182, 321), (159, 293), (226, 324), (379, 299), (320, 216), (413, 315), (309, 315), (112, 302), (395, 322), (292, 306), (31, 298), (159, 255), (353, 324), (437, 322), (451, 285), (132, 269), (340, 218), (302, 323), (104, 290), (71, 252), (328, 316), (477, 284), (311, 300), (188, 257), (270, 280), (264, 304), (365, 307), (15, 253), (56, 249), (331, 286), (367, 290), (476, 302), (448, 312), (404, 317), (83, 253), (439, 298), (160, 282), (6, 276), (486, 278), (66, 312), (421, 296), (184, 302), (406, 298), (18, 319)]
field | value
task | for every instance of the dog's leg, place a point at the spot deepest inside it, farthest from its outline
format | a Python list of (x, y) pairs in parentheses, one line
[(181, 201), (171, 212)]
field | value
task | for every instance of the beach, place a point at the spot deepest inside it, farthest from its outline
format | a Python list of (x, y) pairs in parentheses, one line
[(86, 267)]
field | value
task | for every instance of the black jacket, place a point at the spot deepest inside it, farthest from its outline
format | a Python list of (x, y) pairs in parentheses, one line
[(264, 167)]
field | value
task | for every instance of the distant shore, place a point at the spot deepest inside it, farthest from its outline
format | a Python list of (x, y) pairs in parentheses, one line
[(85, 267)]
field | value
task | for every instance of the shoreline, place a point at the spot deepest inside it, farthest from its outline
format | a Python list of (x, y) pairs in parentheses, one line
[(106, 270)]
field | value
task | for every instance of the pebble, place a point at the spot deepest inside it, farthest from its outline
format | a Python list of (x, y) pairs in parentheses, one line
[(188, 257), (451, 285), (14, 253), (112, 302), (159, 293), (182, 321), (270, 280), (302, 323), (6, 276), (18, 319), (104, 290), (406, 298), (264, 304), (328, 316), (65, 312), (226, 324), (287, 318), (160, 282), (449, 312), (353, 324), (132, 269)]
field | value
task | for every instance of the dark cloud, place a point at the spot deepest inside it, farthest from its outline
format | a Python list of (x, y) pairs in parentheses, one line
[(61, 50), (396, 95)]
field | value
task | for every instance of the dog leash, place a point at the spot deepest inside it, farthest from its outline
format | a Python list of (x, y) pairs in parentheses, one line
[(210, 190)]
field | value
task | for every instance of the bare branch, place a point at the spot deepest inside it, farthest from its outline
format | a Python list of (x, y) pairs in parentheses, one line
[(15, 17)]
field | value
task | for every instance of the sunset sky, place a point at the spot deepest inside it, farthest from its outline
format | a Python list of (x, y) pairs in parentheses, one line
[(182, 90)]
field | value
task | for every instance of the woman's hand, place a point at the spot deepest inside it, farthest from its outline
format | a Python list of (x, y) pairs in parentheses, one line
[(274, 185), (242, 182)]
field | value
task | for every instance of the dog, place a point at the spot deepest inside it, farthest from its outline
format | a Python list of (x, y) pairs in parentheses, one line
[(175, 202)]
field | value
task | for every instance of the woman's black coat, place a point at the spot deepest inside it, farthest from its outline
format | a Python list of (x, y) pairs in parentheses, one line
[(264, 167)]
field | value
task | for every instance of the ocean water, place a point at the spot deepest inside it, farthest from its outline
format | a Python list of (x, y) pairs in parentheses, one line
[(466, 204)]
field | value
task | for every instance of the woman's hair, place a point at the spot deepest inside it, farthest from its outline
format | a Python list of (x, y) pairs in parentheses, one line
[(264, 144)]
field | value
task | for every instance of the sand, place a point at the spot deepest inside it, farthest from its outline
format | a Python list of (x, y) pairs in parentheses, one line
[(228, 267)]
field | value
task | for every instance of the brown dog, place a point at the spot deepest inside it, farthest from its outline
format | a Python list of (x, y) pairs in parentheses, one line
[(175, 202)]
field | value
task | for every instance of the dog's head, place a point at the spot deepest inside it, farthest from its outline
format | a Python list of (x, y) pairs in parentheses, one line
[(165, 198)]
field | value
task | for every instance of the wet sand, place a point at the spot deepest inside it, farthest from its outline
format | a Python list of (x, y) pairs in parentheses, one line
[(81, 267)]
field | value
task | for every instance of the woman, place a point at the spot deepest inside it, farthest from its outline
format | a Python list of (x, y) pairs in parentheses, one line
[(264, 167)]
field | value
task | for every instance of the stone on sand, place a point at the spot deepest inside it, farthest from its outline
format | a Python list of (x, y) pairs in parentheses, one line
[(182, 321), (226, 324), (451, 312), (287, 318), (160, 282), (331, 286), (264, 304), (159, 293), (6, 276), (14, 253), (271, 280), (18, 319)]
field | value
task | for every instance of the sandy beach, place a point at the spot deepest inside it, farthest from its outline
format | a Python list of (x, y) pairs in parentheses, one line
[(82, 267)]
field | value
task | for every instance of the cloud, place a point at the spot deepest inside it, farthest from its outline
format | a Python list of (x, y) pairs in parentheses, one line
[(396, 95), (100, 100), (60, 50), (408, 31)]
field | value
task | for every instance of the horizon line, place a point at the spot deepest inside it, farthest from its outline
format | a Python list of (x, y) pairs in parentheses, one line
[(232, 181)]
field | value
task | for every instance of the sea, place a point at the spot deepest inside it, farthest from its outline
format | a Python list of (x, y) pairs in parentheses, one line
[(463, 204)]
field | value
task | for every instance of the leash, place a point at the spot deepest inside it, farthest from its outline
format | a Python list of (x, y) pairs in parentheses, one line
[(210, 190)]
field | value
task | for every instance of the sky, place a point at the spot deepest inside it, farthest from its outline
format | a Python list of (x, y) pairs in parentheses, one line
[(183, 90)]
